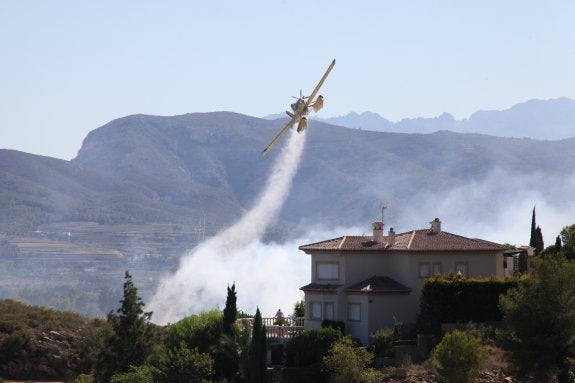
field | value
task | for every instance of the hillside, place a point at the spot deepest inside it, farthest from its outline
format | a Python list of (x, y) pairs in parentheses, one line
[(147, 169), (35, 190), (211, 163), (145, 189), (43, 344)]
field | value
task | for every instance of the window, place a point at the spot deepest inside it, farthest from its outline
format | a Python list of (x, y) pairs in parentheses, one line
[(354, 312), (327, 270), (424, 270), (328, 312), (315, 311), (461, 269), (437, 269)]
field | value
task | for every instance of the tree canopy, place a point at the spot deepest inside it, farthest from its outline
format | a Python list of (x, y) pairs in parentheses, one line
[(568, 238), (132, 339), (541, 312)]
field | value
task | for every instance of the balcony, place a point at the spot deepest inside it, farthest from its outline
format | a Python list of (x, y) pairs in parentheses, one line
[(292, 327)]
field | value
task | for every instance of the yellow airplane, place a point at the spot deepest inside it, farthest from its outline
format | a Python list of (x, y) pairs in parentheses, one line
[(300, 110)]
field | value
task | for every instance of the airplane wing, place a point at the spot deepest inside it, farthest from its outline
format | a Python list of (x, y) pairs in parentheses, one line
[(297, 116), (314, 93), (280, 135)]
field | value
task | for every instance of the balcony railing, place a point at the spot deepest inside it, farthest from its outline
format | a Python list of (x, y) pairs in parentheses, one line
[(291, 327)]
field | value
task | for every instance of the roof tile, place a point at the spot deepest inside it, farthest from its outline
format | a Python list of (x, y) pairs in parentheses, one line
[(416, 240)]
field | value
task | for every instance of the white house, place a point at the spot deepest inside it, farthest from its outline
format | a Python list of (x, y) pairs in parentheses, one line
[(368, 282)]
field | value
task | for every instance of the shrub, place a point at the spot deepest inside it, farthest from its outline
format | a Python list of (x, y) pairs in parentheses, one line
[(458, 357), (382, 342), (140, 374), (335, 324), (304, 355), (348, 364), (455, 299), (180, 364), (201, 331)]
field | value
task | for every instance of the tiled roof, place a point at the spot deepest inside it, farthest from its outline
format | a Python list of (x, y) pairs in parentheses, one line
[(320, 287), (416, 240), (427, 240), (380, 285)]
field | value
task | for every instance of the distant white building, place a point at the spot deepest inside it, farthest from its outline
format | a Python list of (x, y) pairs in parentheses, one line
[(368, 282)]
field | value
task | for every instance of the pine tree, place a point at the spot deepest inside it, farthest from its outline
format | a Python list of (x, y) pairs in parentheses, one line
[(541, 314), (131, 340), (257, 353)]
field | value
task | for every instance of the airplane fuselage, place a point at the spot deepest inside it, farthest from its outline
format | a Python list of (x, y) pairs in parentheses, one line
[(300, 108)]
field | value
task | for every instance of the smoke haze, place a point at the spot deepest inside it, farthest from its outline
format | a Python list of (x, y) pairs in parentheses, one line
[(237, 255), (496, 207)]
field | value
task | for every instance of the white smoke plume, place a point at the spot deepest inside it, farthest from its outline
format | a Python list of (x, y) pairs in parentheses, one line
[(236, 255), (498, 207)]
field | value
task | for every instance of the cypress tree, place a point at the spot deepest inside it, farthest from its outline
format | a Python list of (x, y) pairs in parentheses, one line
[(257, 353), (230, 312), (558, 243), (226, 358), (536, 240), (539, 245), (532, 238)]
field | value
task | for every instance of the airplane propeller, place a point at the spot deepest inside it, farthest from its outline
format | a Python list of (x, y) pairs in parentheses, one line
[(301, 96)]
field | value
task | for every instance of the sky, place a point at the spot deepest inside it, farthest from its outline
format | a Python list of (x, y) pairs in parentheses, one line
[(69, 67)]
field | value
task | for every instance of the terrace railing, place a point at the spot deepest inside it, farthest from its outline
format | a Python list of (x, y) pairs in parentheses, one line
[(276, 329)]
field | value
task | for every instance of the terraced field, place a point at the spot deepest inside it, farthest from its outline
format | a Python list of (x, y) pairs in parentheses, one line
[(80, 266)]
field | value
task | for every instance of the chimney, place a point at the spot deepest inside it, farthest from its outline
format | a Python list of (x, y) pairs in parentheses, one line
[(435, 226), (377, 231), (391, 237)]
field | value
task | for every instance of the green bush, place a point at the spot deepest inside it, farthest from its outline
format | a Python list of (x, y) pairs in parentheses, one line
[(458, 357), (455, 299), (304, 355), (202, 331), (335, 324), (348, 364), (140, 374), (382, 342), (180, 364)]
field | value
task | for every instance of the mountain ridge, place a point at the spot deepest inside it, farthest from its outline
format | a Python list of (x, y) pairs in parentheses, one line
[(143, 190), (551, 119), (209, 163)]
